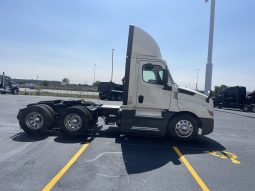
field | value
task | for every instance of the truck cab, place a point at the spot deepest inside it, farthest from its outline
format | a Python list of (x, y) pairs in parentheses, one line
[(152, 102)]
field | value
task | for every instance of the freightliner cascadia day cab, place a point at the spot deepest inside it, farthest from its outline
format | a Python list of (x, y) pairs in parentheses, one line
[(153, 104)]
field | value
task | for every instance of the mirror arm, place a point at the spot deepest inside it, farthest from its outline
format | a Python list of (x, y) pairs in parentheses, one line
[(167, 87)]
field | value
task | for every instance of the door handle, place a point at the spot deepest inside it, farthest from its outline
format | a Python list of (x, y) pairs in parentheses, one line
[(140, 98)]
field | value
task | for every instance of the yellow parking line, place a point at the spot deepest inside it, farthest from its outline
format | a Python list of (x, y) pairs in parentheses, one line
[(56, 178), (191, 170)]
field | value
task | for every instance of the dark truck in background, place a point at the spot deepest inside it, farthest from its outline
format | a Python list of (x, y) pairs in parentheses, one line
[(110, 91), (7, 85), (235, 97)]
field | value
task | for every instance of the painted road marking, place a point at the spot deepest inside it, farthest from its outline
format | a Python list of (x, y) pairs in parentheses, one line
[(225, 155), (191, 170), (56, 178)]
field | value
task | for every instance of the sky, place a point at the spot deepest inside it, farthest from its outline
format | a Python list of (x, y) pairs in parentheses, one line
[(56, 39)]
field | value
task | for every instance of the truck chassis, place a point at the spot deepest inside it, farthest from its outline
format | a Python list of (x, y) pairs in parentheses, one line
[(73, 117)]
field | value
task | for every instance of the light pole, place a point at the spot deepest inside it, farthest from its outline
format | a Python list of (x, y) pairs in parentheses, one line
[(112, 64), (197, 79), (209, 65), (94, 73)]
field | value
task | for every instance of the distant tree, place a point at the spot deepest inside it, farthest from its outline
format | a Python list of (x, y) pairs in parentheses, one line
[(45, 83), (96, 83), (65, 80), (218, 89)]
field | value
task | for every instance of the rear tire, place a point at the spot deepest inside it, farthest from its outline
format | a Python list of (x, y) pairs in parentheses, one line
[(183, 127), (101, 97), (52, 112), (35, 119), (74, 121)]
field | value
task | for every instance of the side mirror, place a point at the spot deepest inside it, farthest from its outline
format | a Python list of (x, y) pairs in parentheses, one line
[(209, 96), (165, 77)]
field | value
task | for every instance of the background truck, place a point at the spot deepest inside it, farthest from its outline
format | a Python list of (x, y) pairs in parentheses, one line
[(235, 97), (7, 85), (110, 91), (153, 104)]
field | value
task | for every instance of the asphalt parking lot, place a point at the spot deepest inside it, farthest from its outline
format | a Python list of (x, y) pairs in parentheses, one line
[(107, 160)]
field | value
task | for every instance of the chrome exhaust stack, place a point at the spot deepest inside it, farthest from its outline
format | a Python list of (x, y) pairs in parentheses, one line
[(3, 80)]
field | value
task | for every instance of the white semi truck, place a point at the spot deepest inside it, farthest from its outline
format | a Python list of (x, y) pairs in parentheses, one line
[(152, 103)]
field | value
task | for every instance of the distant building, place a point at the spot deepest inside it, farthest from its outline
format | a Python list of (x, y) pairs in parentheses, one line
[(31, 83)]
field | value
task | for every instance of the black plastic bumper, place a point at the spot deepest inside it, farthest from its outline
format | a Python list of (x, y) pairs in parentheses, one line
[(207, 125)]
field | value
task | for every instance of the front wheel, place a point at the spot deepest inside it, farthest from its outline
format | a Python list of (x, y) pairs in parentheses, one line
[(246, 108), (183, 127), (15, 92)]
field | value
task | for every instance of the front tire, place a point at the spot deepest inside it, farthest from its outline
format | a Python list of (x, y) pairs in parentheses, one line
[(15, 92), (246, 108), (183, 127)]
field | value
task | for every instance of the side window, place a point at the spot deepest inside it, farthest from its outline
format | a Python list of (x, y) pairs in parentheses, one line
[(152, 74)]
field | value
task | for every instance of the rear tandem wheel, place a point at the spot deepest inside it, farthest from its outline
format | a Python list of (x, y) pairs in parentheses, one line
[(74, 121), (36, 119)]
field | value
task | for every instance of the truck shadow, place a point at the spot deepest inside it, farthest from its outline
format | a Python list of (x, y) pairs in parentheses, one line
[(59, 137), (140, 154), (24, 137), (143, 154)]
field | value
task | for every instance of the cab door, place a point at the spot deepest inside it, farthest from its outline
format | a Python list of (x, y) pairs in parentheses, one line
[(151, 94)]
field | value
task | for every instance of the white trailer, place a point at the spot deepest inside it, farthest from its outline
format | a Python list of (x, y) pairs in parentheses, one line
[(152, 103)]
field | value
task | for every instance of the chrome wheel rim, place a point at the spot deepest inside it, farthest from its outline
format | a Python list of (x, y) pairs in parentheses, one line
[(34, 120), (184, 128), (73, 122)]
